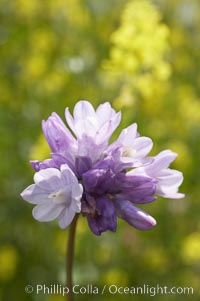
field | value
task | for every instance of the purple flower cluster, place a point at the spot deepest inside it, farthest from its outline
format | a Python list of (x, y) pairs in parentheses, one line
[(85, 174)]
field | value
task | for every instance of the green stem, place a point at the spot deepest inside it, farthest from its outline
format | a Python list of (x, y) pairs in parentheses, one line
[(70, 256)]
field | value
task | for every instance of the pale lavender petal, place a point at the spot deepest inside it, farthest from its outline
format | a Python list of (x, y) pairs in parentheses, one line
[(67, 175), (106, 130), (133, 148), (69, 180), (83, 109), (69, 119), (135, 162), (161, 161), (76, 204), (48, 179), (84, 121), (47, 212), (46, 174), (34, 194), (128, 134), (170, 177), (139, 171), (134, 216), (85, 127), (66, 218), (176, 196), (142, 146), (104, 113), (142, 162), (169, 182), (169, 194)]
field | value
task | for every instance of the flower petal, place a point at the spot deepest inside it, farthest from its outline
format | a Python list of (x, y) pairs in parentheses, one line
[(83, 164), (84, 121), (86, 147), (38, 165), (98, 125), (104, 113), (57, 135), (66, 218), (161, 161), (142, 146), (48, 179), (47, 212), (85, 127), (169, 182), (83, 109), (35, 195), (134, 216), (106, 217), (128, 134), (106, 130), (70, 182), (170, 177), (69, 119), (63, 159)]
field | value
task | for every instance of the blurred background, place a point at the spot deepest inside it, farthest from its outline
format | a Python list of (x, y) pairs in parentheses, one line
[(143, 57)]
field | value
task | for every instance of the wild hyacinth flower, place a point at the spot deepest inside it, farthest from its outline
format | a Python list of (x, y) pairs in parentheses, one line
[(97, 182)]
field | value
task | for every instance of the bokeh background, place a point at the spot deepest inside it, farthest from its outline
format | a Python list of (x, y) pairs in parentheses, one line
[(143, 57)]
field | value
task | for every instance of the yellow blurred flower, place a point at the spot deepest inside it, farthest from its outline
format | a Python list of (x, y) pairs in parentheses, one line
[(138, 54), (8, 262), (116, 276), (191, 248)]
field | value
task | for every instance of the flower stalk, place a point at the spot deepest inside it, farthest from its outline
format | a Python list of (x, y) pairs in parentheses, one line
[(70, 257)]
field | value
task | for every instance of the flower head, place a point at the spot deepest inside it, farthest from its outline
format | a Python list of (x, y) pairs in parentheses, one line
[(85, 174)]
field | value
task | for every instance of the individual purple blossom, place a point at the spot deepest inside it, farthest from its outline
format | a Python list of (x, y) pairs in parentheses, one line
[(92, 129), (168, 180), (135, 216), (98, 125), (133, 147), (114, 179), (56, 194), (59, 138)]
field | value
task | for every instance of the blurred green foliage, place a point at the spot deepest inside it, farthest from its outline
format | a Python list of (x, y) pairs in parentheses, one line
[(141, 55)]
